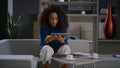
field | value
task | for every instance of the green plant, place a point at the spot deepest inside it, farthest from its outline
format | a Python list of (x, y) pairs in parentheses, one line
[(13, 27)]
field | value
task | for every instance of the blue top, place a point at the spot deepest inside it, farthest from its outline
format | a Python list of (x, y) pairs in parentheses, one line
[(55, 44)]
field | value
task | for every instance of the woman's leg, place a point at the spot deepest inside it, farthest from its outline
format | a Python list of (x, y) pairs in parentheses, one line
[(65, 49), (64, 66), (45, 55), (47, 65)]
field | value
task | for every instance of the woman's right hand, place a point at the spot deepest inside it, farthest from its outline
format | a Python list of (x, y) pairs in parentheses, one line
[(49, 38)]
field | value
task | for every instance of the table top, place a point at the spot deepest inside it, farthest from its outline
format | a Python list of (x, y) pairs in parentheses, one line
[(109, 57), (78, 60)]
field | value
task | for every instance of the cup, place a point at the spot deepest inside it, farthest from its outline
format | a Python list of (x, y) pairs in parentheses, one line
[(69, 56), (95, 55), (61, 0), (83, 12)]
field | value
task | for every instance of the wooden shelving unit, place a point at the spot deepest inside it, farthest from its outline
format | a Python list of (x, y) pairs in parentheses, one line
[(71, 3)]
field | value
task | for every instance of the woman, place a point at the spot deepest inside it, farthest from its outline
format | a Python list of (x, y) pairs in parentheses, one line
[(53, 20)]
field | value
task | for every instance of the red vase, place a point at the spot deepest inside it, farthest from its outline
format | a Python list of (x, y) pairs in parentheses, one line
[(108, 24)]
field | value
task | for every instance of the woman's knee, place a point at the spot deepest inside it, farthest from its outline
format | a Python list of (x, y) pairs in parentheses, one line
[(46, 53), (65, 49), (47, 48)]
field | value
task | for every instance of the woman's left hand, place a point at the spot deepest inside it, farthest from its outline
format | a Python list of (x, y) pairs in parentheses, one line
[(59, 38)]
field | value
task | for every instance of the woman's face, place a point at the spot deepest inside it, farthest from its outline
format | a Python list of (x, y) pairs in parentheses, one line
[(53, 19)]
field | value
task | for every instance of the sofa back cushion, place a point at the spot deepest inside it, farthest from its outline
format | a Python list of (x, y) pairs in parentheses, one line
[(79, 45), (32, 46), (5, 47)]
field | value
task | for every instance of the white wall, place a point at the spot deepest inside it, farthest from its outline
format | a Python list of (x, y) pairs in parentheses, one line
[(10, 6)]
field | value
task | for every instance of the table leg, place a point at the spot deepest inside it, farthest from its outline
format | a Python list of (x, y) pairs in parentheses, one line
[(60, 65), (73, 66), (83, 66), (94, 65)]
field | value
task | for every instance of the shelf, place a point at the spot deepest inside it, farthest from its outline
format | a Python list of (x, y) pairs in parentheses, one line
[(104, 15), (79, 15), (108, 40), (71, 3)]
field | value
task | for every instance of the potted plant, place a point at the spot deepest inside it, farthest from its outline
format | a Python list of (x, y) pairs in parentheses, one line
[(13, 27)]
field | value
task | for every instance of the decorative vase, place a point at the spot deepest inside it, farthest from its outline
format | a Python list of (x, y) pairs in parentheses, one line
[(108, 24)]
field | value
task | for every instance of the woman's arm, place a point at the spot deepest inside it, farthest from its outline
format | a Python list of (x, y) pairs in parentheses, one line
[(45, 37), (62, 39), (59, 38), (42, 37), (66, 39), (49, 38)]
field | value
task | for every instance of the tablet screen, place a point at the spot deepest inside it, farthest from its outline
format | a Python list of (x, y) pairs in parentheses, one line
[(62, 34)]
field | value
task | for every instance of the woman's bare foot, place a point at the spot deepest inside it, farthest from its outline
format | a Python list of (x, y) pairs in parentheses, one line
[(47, 65), (65, 66)]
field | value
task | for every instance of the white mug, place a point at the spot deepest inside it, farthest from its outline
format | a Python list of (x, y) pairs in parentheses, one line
[(83, 12), (61, 0), (95, 55), (69, 56)]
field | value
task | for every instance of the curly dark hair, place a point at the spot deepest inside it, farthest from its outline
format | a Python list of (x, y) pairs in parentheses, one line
[(62, 23)]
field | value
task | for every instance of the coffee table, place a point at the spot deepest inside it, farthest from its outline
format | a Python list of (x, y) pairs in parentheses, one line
[(81, 60)]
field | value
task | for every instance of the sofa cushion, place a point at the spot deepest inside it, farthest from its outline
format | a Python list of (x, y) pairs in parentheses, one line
[(79, 45)]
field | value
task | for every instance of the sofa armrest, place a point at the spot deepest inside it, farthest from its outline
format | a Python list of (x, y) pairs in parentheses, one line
[(20, 47), (17, 61)]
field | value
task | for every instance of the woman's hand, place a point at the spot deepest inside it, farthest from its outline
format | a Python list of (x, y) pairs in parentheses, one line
[(49, 38), (59, 38)]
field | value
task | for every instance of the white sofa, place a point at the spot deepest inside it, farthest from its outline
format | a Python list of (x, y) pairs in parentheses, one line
[(23, 53)]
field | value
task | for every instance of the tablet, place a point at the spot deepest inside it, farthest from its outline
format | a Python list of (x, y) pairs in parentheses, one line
[(59, 33), (62, 34)]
